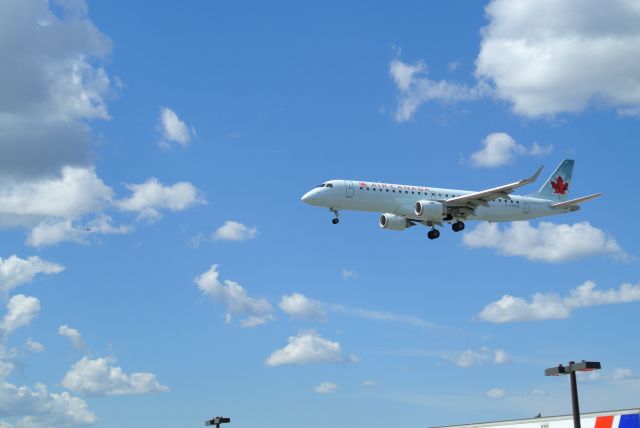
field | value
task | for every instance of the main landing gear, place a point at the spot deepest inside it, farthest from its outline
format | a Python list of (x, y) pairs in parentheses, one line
[(335, 219), (433, 234), (457, 226)]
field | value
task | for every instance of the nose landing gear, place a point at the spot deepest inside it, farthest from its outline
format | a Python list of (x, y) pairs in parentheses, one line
[(335, 219)]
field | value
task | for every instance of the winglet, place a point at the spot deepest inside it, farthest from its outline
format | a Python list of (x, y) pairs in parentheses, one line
[(533, 178)]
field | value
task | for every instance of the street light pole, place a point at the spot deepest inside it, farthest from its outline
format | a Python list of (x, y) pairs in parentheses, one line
[(574, 397), (571, 369)]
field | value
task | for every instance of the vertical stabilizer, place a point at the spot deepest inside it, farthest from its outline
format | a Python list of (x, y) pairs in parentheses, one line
[(556, 188)]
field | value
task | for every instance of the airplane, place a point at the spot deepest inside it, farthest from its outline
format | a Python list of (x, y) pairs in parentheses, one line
[(405, 206)]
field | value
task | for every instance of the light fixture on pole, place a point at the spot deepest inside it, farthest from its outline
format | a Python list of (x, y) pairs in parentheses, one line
[(571, 369), (217, 421)]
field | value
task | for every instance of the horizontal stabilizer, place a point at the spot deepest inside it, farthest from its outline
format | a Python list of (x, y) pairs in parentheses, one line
[(576, 201)]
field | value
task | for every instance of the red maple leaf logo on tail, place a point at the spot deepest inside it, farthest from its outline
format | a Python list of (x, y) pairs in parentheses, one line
[(560, 186)]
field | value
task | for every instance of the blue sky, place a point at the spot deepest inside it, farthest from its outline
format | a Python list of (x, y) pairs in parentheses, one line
[(158, 267)]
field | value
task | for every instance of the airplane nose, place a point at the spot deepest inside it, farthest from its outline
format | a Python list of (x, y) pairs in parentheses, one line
[(307, 197), (310, 196)]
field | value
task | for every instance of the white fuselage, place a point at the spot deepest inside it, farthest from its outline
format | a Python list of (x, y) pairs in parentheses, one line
[(401, 200)]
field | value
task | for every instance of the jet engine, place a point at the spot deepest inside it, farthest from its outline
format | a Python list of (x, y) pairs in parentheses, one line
[(430, 210), (394, 222)]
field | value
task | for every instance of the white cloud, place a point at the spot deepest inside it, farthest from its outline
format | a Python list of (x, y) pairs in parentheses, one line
[(549, 242), (453, 66), (21, 310), (538, 393), (380, 316), (547, 57), (100, 376), (484, 355), (349, 274), (53, 231), (544, 58), (76, 192), (150, 197), (15, 271), (552, 306), (173, 129), (326, 388), (308, 348), (42, 409), (501, 357), (73, 335), (500, 149), (415, 89), (298, 306), (34, 346), (496, 393), (235, 298), (620, 374), (615, 375), (51, 85), (369, 383), (234, 231)]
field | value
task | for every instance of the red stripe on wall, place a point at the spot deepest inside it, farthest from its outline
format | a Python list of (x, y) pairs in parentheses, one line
[(604, 422)]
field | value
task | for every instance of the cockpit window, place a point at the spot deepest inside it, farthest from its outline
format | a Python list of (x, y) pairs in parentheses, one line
[(329, 184), (320, 185)]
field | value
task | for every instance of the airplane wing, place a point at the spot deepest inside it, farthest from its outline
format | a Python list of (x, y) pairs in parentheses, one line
[(468, 203)]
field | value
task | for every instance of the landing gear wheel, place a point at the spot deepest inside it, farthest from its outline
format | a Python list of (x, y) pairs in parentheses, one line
[(335, 219), (433, 234), (457, 226)]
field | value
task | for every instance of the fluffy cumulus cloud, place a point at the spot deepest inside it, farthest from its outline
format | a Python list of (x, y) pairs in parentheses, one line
[(40, 408), (548, 57), (234, 231), (149, 198), (76, 192), (53, 231), (553, 306), (16, 271), (101, 376), (325, 388), (70, 207), (235, 298), (21, 310), (499, 149), (471, 357), (173, 129), (298, 306), (308, 348), (415, 88), (549, 242), (544, 58), (35, 407), (73, 335), (34, 346), (51, 86)]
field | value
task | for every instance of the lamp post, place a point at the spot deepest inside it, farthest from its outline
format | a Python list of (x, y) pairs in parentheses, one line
[(217, 421), (571, 369)]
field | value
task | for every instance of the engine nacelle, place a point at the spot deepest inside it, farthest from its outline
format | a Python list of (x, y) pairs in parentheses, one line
[(394, 222), (430, 210)]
